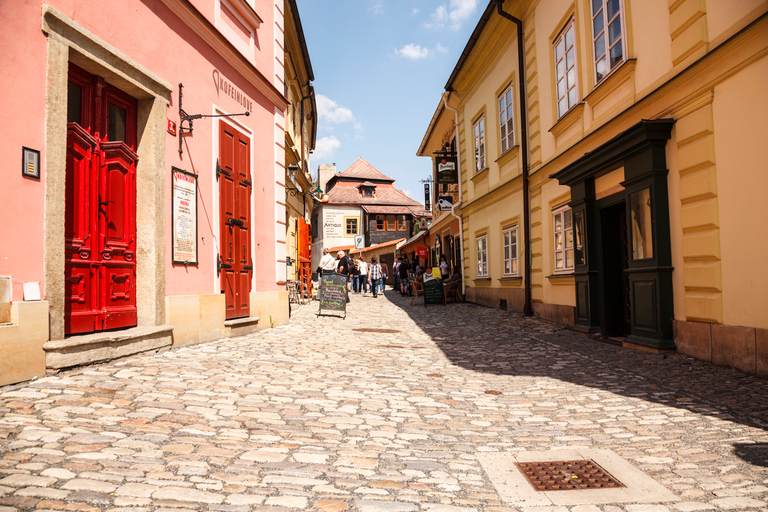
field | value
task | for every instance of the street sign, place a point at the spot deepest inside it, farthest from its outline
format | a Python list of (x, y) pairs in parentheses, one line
[(359, 242)]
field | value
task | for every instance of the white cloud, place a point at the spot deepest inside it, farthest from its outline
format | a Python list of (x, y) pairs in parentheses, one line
[(412, 51), (330, 111), (325, 148), (452, 15), (377, 6), (442, 49)]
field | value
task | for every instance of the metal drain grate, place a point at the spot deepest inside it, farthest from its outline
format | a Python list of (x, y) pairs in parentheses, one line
[(567, 475), (369, 329)]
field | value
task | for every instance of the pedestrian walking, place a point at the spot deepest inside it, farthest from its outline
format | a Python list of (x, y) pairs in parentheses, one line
[(374, 276), (354, 268), (384, 274), (444, 267), (363, 276), (343, 269), (403, 270), (328, 263), (396, 273)]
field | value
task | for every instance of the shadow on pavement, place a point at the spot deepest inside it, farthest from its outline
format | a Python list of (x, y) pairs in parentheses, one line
[(505, 343)]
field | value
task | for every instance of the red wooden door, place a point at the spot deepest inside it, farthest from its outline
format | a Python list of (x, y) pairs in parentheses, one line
[(235, 260), (100, 215)]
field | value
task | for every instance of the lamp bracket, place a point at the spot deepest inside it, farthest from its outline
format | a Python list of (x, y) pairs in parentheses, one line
[(183, 116)]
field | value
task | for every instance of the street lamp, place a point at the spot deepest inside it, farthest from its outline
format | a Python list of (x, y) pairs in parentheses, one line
[(293, 170)]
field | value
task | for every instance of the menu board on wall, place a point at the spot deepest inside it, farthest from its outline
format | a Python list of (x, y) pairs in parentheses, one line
[(184, 225)]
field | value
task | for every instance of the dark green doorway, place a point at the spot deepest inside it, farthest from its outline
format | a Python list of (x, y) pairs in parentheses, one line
[(614, 278)]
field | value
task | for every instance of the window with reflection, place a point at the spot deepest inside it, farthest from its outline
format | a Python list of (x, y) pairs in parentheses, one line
[(506, 120), (641, 224), (565, 70), (509, 237), (607, 36), (478, 133), (482, 255), (563, 231)]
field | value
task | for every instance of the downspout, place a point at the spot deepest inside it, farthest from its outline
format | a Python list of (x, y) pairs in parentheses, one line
[(527, 308), (446, 96)]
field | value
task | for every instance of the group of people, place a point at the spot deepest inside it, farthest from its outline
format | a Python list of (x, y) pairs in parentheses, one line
[(360, 273)]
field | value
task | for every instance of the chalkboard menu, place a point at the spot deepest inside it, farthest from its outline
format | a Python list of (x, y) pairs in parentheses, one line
[(333, 294), (433, 292)]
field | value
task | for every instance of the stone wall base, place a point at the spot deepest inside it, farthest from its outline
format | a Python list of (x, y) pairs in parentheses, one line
[(742, 348), (512, 299), (558, 313)]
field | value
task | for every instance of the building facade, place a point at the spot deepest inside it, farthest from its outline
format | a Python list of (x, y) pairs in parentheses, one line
[(300, 137), (150, 210), (611, 156), (361, 202)]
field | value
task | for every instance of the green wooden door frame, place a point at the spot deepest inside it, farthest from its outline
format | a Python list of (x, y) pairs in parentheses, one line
[(640, 150)]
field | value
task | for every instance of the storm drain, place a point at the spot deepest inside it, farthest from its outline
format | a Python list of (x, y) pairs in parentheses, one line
[(370, 329), (567, 475)]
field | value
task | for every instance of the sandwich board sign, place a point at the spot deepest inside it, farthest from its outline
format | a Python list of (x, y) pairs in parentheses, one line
[(333, 295)]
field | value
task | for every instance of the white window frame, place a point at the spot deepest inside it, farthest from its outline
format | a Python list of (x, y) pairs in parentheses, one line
[(620, 41), (562, 230), (478, 133), (566, 71), (511, 264), (507, 119), (481, 245)]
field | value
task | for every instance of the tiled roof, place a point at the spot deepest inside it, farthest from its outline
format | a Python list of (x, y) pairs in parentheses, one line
[(386, 194), (396, 210), (363, 170)]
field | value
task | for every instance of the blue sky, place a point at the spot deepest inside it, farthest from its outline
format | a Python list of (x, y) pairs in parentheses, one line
[(380, 67)]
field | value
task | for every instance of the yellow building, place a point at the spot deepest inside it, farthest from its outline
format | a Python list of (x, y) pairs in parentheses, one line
[(300, 136), (612, 169)]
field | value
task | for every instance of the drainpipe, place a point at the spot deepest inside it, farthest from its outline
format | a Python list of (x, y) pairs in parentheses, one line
[(446, 96), (527, 308)]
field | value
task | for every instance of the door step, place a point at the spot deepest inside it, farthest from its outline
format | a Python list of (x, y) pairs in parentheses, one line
[(241, 326), (105, 346)]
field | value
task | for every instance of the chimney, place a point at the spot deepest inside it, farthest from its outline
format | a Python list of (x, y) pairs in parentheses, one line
[(324, 173)]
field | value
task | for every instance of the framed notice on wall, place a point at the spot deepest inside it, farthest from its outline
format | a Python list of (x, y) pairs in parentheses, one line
[(184, 186)]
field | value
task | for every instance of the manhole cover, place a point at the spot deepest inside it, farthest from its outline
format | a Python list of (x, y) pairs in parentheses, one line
[(567, 475), (369, 329)]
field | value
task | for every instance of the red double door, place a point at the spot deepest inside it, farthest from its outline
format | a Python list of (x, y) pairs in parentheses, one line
[(235, 261), (100, 215)]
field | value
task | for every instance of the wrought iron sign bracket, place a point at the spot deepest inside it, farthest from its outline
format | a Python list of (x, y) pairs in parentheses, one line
[(183, 116)]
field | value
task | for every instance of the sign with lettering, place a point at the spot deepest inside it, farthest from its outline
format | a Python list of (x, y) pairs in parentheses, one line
[(333, 224), (333, 294), (433, 292), (224, 86), (446, 170), (184, 248)]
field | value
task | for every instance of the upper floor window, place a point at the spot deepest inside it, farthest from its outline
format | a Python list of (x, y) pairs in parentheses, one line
[(391, 223), (607, 36), (367, 191), (482, 255), (351, 226), (509, 236), (506, 120), (565, 70), (563, 231), (478, 131)]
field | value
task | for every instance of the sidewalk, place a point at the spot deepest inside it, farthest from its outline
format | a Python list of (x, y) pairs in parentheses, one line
[(398, 407)]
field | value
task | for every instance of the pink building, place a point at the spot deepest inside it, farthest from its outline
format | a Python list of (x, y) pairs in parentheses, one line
[(149, 207)]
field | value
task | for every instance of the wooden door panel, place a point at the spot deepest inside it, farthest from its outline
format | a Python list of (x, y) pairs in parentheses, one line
[(234, 220), (81, 301)]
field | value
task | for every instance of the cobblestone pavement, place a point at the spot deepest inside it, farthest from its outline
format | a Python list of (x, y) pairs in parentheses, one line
[(323, 415)]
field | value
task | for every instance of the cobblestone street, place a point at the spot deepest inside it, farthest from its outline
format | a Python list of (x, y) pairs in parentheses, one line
[(328, 414)]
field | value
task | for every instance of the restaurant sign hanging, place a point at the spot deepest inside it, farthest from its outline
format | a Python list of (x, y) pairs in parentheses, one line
[(446, 170)]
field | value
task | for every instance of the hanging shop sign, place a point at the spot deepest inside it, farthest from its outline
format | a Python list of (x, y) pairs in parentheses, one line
[(445, 203), (423, 252), (446, 170), (184, 217), (427, 202)]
